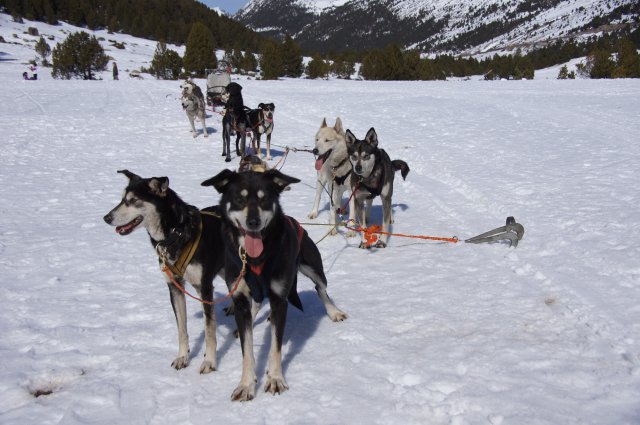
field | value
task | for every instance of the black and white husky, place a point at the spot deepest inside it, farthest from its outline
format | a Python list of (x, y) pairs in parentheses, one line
[(260, 121), (334, 170), (373, 175), (275, 247), (190, 241)]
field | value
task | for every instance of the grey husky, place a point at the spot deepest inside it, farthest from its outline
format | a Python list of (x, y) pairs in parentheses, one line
[(373, 175), (194, 107), (180, 231)]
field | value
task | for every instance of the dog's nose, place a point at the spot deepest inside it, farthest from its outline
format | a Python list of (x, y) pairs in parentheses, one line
[(108, 218), (253, 223), (358, 168), (316, 151)]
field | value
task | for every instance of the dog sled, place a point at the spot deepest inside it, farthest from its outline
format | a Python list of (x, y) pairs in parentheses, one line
[(217, 82)]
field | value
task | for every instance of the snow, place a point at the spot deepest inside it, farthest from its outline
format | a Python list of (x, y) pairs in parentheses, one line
[(438, 333)]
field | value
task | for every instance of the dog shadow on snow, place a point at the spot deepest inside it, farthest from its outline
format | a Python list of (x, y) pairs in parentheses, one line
[(301, 326)]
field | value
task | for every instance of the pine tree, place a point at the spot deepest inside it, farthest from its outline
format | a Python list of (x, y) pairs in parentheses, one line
[(271, 61), (600, 64), (200, 52), (44, 50), (249, 62), (317, 67), (292, 57), (372, 65), (166, 63), (79, 56), (628, 60)]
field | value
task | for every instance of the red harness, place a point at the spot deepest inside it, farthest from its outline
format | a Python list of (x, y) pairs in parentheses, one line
[(258, 268)]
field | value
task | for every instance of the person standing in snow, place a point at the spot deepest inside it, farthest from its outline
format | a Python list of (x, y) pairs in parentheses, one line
[(34, 70), (115, 71)]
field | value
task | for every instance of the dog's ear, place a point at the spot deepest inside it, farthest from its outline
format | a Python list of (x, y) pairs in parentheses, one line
[(221, 180), (338, 126), (261, 105), (281, 180), (324, 123), (371, 137), (273, 106), (350, 138), (131, 176), (159, 186)]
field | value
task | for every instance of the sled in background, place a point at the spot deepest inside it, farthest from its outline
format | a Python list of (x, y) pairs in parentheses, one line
[(217, 82)]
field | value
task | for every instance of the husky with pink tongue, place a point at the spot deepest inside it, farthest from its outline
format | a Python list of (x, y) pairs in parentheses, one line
[(334, 170), (276, 247)]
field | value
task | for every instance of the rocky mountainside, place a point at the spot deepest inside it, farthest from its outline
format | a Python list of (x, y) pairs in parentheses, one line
[(473, 26)]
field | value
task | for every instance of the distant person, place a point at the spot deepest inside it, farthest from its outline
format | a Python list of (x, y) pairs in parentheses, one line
[(34, 70), (115, 71), (25, 76)]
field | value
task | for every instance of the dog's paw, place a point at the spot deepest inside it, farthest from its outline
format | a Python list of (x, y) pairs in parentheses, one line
[(338, 315), (334, 231), (227, 159), (206, 134), (207, 366), (381, 244), (275, 385), (180, 362), (313, 214), (269, 158), (363, 245), (244, 393)]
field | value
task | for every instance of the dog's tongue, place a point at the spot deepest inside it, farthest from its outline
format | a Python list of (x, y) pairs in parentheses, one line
[(253, 244), (319, 163)]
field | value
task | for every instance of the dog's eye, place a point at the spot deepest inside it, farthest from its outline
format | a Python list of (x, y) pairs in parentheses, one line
[(366, 157), (239, 200)]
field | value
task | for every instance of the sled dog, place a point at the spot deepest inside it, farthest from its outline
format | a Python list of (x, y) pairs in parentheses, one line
[(334, 170), (194, 108), (274, 247), (190, 87), (190, 240), (234, 121), (260, 121), (373, 175)]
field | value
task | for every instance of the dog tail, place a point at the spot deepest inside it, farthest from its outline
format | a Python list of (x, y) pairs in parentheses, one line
[(400, 165)]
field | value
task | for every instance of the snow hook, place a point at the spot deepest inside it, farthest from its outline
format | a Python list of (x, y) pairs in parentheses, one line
[(511, 231)]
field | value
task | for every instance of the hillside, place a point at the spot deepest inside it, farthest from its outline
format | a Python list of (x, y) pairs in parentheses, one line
[(468, 27), (169, 21)]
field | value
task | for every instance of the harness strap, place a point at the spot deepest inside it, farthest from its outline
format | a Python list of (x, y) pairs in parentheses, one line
[(188, 251), (341, 180)]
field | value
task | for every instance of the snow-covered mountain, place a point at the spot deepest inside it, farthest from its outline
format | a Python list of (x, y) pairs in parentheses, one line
[(437, 25)]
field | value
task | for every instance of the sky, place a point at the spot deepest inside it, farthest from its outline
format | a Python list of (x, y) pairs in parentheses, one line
[(229, 6)]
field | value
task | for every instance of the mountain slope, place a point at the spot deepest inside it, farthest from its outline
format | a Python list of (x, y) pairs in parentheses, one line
[(435, 25)]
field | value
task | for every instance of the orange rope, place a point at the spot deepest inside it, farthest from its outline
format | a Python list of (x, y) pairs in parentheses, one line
[(371, 232)]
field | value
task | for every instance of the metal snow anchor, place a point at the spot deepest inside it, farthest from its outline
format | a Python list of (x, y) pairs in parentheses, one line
[(512, 232)]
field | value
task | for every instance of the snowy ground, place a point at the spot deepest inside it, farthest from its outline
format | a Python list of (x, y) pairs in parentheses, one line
[(438, 333)]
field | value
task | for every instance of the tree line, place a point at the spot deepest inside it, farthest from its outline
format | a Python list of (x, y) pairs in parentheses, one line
[(161, 20)]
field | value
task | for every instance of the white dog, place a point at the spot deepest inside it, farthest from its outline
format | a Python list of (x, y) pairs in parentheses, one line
[(334, 170)]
